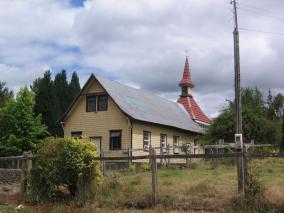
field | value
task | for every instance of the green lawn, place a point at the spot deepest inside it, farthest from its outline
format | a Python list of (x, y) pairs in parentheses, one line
[(203, 188)]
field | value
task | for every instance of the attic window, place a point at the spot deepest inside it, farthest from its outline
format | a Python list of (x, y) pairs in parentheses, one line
[(91, 103), (102, 102)]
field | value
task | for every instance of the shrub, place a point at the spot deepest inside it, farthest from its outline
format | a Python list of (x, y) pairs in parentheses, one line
[(146, 167), (254, 190), (60, 162), (253, 202), (132, 168)]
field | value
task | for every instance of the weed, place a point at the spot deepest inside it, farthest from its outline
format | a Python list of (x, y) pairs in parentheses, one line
[(146, 167), (132, 168)]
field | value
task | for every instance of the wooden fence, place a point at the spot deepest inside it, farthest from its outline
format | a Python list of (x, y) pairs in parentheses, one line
[(243, 156), (14, 169), (24, 163)]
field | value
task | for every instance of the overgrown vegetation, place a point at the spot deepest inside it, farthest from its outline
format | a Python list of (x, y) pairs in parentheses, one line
[(63, 163), (20, 128), (262, 118), (205, 188)]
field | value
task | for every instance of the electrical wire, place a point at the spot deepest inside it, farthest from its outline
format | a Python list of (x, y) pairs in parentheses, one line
[(259, 8), (262, 13), (260, 31)]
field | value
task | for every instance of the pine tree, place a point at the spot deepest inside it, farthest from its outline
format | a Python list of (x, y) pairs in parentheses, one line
[(74, 87), (52, 98), (44, 100), (61, 98)]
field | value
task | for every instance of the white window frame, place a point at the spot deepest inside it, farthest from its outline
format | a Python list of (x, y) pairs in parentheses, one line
[(146, 141), (176, 144), (163, 142)]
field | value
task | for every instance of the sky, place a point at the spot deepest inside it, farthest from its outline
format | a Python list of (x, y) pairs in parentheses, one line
[(143, 44)]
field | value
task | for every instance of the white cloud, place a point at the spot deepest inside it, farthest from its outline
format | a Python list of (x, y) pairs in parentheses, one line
[(142, 43), (17, 77)]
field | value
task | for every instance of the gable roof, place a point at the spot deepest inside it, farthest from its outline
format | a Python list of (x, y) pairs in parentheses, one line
[(143, 106)]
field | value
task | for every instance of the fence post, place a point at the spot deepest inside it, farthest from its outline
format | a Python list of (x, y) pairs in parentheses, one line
[(129, 155), (242, 171), (103, 162), (245, 170), (168, 152), (26, 166), (153, 159)]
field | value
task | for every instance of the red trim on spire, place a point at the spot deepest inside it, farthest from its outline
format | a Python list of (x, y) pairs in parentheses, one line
[(186, 78), (193, 109)]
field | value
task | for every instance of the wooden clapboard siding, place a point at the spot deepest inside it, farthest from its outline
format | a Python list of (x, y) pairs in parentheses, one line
[(156, 131), (97, 123)]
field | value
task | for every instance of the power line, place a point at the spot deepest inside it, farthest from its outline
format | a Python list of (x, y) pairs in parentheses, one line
[(258, 8), (260, 31), (262, 13)]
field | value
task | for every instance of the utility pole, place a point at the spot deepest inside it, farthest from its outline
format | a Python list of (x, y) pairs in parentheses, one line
[(241, 161), (238, 99)]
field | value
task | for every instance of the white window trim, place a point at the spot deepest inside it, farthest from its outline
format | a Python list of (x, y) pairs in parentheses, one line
[(176, 144), (146, 147), (164, 143)]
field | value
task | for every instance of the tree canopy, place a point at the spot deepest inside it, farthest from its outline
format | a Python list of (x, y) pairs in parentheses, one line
[(20, 128), (261, 118), (52, 98)]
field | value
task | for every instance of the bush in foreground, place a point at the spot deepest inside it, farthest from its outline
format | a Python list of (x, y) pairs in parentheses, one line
[(62, 162)]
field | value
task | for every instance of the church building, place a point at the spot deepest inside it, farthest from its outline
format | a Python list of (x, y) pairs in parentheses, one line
[(119, 118)]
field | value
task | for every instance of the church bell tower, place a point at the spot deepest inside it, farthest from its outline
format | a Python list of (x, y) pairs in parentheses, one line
[(187, 100)]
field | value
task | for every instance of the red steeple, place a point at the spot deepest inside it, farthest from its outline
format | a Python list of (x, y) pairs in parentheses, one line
[(186, 98), (186, 78)]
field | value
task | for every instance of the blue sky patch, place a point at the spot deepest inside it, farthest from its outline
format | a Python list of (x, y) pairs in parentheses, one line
[(77, 3)]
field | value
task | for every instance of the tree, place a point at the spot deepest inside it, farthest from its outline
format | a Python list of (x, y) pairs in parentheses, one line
[(5, 94), (278, 105), (52, 98), (44, 101), (61, 96), (270, 107), (256, 123), (20, 129), (74, 87)]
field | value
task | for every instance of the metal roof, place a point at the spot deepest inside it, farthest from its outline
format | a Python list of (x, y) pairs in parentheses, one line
[(144, 106)]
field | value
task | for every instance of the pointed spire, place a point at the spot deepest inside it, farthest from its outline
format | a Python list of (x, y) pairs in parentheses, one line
[(186, 78)]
